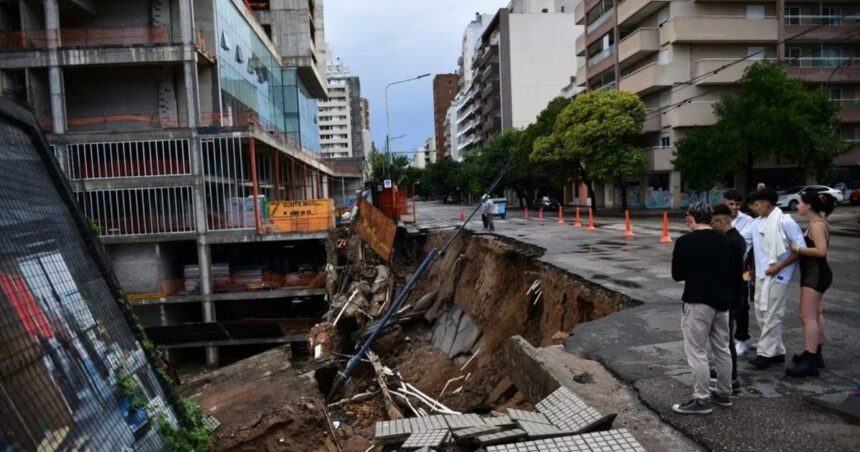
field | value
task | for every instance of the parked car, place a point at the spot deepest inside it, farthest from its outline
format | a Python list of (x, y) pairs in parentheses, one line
[(790, 198), (546, 203), (854, 197)]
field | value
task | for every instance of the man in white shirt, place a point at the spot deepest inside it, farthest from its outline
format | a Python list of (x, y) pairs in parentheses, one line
[(740, 220), (487, 213), (773, 274)]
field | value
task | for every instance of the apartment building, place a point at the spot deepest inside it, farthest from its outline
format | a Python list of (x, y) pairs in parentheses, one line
[(464, 102), (425, 155), (335, 113), (192, 147), (445, 87), (521, 61), (673, 53)]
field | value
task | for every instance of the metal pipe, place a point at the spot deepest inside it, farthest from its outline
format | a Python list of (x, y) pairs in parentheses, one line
[(255, 187)]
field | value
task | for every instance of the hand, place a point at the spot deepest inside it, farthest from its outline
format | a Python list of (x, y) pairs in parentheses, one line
[(773, 270)]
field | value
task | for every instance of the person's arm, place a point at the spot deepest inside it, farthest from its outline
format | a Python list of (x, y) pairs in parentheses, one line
[(679, 265), (818, 231), (747, 233), (795, 236)]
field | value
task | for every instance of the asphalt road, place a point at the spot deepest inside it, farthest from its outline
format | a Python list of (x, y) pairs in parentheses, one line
[(643, 345)]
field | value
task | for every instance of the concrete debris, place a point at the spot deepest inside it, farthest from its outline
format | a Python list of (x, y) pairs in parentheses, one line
[(321, 339), (455, 333)]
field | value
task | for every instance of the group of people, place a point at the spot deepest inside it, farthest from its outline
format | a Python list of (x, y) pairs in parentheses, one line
[(730, 257)]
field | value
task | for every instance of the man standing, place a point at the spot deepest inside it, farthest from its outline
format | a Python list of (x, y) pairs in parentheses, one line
[(487, 213), (733, 200), (704, 261), (772, 236)]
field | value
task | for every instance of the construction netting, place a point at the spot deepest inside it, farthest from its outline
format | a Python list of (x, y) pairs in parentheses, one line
[(73, 375)]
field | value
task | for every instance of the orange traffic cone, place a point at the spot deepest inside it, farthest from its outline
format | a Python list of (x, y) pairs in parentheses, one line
[(462, 216), (560, 215), (665, 238), (527, 214), (590, 220), (540, 215), (577, 223), (628, 230)]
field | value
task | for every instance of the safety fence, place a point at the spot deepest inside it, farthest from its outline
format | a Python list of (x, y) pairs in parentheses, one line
[(72, 373), (141, 158), (134, 211)]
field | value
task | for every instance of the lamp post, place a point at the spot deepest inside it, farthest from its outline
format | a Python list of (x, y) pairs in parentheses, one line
[(388, 118)]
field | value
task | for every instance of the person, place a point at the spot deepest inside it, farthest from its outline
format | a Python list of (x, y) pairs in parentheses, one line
[(815, 279), (487, 213), (733, 200), (772, 236), (704, 262), (721, 221)]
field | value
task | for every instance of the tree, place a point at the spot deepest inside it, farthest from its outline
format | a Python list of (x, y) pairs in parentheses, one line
[(596, 136), (772, 115), (525, 178), (379, 166)]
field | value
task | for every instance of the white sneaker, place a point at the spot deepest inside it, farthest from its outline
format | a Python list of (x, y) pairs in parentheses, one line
[(741, 348)]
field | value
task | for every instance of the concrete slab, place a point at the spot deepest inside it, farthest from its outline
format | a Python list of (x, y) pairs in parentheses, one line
[(431, 438), (611, 441), (507, 436)]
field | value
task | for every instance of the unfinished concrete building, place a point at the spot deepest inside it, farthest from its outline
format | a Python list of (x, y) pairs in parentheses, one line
[(191, 143)]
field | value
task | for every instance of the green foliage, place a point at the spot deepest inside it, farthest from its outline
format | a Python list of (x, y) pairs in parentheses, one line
[(441, 177), (95, 228), (128, 385), (772, 115), (192, 436), (379, 163), (596, 134)]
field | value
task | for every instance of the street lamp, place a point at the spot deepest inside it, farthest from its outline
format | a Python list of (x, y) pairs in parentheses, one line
[(388, 118)]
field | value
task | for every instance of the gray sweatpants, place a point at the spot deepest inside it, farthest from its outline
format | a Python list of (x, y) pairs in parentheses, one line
[(700, 324)]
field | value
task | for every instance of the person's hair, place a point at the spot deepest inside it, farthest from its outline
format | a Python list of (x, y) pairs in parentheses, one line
[(701, 212), (722, 210), (751, 198), (733, 195), (820, 203), (768, 195)]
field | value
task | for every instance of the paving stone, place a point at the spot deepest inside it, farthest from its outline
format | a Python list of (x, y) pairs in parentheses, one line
[(471, 432), (567, 411), (531, 416), (610, 441), (464, 420), (388, 432), (505, 436), (430, 438), (537, 430), (503, 420)]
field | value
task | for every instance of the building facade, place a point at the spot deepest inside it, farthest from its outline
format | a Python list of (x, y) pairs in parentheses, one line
[(445, 87), (425, 155), (681, 57), (466, 123), (177, 123), (341, 122)]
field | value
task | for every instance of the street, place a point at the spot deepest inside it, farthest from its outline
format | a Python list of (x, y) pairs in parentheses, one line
[(643, 346)]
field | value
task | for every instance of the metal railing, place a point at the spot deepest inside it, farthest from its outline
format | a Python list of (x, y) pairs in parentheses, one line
[(106, 160), (847, 103), (136, 211), (600, 20), (600, 56), (825, 62), (833, 21)]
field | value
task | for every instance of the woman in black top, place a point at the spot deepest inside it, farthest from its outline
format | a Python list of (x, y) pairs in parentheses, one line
[(815, 278)]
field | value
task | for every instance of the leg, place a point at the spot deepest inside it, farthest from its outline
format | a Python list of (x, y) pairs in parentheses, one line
[(810, 312), (770, 344), (695, 324), (719, 335), (759, 314), (742, 321), (821, 321), (734, 353)]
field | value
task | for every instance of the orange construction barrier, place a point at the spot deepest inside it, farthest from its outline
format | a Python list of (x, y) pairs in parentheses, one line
[(577, 223), (666, 238), (560, 215), (590, 220), (527, 214), (462, 216), (628, 230)]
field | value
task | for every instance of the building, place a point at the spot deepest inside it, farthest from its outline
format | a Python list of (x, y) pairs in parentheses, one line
[(366, 136), (464, 101), (522, 60), (452, 146), (191, 145), (681, 57), (425, 155), (341, 122), (445, 87)]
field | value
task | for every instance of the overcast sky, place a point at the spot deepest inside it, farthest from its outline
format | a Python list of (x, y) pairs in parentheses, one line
[(382, 41)]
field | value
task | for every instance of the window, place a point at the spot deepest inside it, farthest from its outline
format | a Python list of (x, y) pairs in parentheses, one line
[(755, 53), (665, 142), (225, 41), (239, 57), (834, 15), (835, 93), (562, 9), (755, 12), (792, 54), (792, 15), (662, 17)]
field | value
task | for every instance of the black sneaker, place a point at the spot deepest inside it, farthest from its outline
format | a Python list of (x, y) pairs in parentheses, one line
[(778, 359), (819, 362), (695, 406), (721, 399), (760, 362), (806, 367)]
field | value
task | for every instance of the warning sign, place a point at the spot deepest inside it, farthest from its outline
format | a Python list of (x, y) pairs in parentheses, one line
[(311, 215), (375, 229)]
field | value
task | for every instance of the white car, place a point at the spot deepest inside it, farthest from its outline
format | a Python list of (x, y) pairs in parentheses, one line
[(790, 198)]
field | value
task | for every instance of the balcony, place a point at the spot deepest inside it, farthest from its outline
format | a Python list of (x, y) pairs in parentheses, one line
[(653, 120), (825, 69), (693, 114), (600, 56), (600, 21), (720, 29), (581, 75), (637, 45), (579, 44), (850, 112), (728, 70), (647, 79), (658, 158), (822, 28), (579, 13), (632, 11)]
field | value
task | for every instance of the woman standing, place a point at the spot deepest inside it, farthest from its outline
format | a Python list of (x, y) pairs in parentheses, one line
[(815, 278)]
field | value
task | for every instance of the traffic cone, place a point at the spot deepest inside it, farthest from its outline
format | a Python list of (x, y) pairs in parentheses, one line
[(577, 223), (665, 238), (540, 215), (462, 216), (590, 220), (628, 230), (527, 214), (560, 215)]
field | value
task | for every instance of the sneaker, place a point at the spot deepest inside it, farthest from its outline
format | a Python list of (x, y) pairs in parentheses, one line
[(778, 359), (741, 348), (760, 362), (805, 367), (819, 362), (721, 399), (695, 406)]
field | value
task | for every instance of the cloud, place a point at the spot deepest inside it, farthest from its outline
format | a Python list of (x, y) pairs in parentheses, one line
[(382, 41)]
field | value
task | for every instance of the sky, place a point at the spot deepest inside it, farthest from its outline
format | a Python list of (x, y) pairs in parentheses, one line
[(383, 41)]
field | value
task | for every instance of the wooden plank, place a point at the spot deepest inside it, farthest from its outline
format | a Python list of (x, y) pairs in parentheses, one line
[(390, 407)]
